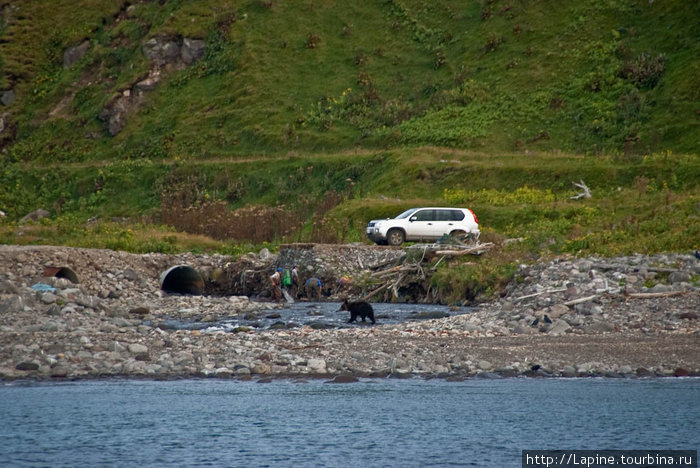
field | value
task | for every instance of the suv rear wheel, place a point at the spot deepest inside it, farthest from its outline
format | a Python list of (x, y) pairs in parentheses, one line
[(458, 235), (395, 237)]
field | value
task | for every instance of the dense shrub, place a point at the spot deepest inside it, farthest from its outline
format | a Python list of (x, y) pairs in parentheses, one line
[(644, 70), (195, 213)]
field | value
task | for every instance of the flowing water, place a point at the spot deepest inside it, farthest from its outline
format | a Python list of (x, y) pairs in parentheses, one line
[(322, 315), (385, 422)]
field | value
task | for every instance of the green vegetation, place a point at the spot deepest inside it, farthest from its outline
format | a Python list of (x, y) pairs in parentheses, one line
[(303, 120), (617, 76), (647, 206)]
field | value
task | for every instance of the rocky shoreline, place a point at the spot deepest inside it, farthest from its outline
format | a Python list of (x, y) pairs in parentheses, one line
[(625, 317)]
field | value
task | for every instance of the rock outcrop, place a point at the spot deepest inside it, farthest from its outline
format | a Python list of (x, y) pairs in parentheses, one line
[(164, 53), (75, 53), (7, 97)]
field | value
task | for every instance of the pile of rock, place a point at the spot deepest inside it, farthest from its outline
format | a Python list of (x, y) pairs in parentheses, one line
[(339, 267), (597, 295), (333, 261), (108, 322), (646, 294), (574, 317), (163, 53)]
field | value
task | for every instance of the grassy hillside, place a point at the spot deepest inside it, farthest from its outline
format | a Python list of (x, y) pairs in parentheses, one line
[(651, 205), (304, 119), (309, 76)]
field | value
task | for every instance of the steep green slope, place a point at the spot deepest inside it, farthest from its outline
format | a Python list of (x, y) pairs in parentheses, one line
[(209, 125), (307, 76)]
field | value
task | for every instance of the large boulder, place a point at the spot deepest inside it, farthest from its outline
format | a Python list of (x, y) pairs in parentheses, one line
[(679, 277), (163, 50), (12, 305), (137, 348), (559, 327), (153, 49), (75, 53), (7, 97), (192, 50), (35, 215), (117, 108), (317, 366)]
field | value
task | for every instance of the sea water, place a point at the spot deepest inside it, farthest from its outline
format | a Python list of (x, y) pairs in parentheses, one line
[(373, 422)]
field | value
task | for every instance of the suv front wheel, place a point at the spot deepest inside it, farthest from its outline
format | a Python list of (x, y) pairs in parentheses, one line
[(395, 237)]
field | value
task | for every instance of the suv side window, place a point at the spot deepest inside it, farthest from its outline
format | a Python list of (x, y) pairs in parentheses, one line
[(425, 215), (457, 215), (444, 215)]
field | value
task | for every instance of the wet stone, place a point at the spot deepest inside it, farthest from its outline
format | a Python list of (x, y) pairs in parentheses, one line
[(27, 366)]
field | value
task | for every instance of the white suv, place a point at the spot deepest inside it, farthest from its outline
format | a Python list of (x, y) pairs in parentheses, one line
[(424, 224)]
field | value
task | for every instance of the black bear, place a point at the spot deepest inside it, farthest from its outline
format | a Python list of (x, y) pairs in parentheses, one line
[(360, 308)]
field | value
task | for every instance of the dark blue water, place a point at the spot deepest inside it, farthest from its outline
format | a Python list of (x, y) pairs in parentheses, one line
[(407, 423)]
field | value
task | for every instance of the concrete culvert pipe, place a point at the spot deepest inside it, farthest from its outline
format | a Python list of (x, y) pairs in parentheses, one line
[(182, 279), (61, 272)]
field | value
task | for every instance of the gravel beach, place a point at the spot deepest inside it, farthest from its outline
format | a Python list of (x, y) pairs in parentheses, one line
[(623, 317)]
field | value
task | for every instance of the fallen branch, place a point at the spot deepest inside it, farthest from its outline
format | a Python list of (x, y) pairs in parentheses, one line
[(548, 291), (375, 292), (382, 265), (395, 286), (385, 273), (608, 267), (586, 191), (394, 271), (465, 250), (653, 295), (660, 270), (580, 300), (419, 269)]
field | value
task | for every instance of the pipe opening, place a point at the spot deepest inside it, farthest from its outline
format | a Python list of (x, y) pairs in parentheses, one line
[(182, 279), (61, 272)]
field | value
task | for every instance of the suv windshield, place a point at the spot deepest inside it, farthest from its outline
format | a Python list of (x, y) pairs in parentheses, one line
[(406, 213)]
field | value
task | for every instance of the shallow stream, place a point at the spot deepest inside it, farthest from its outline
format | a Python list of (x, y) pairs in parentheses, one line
[(321, 315)]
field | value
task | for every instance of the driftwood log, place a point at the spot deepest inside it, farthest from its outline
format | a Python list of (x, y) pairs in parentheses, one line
[(586, 191), (654, 295), (389, 280)]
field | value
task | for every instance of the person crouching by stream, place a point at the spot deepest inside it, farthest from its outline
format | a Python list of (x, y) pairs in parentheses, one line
[(276, 285), (313, 289), (294, 288)]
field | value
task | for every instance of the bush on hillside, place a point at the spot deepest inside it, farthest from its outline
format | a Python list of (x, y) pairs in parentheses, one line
[(644, 70)]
